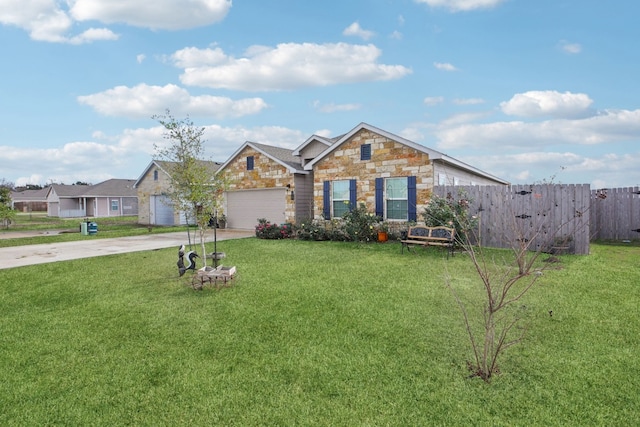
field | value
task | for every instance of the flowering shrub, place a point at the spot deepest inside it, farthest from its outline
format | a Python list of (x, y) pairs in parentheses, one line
[(360, 224), (266, 230), (312, 230), (450, 213)]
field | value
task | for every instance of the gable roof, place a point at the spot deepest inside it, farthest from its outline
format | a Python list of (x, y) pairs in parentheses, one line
[(326, 141), (112, 188), (165, 166), (282, 156), (109, 188), (30, 195), (433, 154)]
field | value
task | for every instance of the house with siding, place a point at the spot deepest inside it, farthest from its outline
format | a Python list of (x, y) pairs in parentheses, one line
[(30, 200), (114, 197), (152, 189), (323, 177)]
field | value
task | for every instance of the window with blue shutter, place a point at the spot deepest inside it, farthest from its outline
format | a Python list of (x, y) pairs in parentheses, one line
[(380, 197), (249, 163), (326, 199), (353, 194), (365, 152), (412, 194)]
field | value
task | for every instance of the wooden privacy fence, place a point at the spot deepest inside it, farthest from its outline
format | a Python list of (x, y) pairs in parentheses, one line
[(615, 213), (550, 216)]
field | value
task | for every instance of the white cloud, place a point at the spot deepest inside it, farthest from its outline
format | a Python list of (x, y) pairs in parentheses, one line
[(571, 48), (468, 101), (159, 14), (54, 20), (461, 5), (433, 100), (192, 57), (444, 66), (356, 30), (332, 108), (144, 101), (289, 66), (606, 127), (548, 103), (396, 35), (140, 58)]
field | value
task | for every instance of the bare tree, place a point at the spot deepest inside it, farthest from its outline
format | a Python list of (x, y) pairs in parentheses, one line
[(506, 276), (196, 190)]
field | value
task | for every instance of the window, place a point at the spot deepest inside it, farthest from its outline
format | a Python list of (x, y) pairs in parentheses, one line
[(397, 198), (249, 163), (155, 175), (340, 198), (365, 152), (115, 205)]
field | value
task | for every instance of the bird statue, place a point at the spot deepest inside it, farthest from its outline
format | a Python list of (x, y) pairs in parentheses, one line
[(191, 260)]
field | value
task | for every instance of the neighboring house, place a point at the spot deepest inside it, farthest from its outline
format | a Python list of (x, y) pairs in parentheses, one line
[(30, 200), (114, 197), (153, 187), (266, 182), (323, 177)]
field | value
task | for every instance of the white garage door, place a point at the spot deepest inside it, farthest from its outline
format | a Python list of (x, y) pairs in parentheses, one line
[(245, 207), (161, 210)]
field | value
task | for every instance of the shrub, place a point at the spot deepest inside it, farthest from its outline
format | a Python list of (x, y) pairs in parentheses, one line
[(360, 224), (450, 213), (312, 230), (266, 230)]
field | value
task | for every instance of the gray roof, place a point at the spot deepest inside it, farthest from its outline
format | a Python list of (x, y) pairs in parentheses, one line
[(112, 188), (30, 195), (109, 188), (283, 154)]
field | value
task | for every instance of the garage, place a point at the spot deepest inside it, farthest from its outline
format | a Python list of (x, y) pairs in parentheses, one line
[(246, 206), (161, 210)]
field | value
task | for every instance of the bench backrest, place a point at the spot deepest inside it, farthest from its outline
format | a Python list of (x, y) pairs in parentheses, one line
[(432, 233)]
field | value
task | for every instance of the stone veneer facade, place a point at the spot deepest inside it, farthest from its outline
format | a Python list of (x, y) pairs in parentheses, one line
[(389, 159), (266, 173), (147, 187)]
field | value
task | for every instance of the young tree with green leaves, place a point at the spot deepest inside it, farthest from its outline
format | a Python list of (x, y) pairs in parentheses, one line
[(196, 189), (7, 214)]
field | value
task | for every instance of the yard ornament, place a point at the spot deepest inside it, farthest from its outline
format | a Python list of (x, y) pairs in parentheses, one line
[(191, 260)]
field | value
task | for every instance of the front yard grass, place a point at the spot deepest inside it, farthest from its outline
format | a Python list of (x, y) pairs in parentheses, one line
[(312, 333)]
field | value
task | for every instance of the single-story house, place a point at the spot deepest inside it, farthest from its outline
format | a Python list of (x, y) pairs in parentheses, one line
[(30, 200), (114, 197), (323, 177), (391, 175), (152, 188), (266, 182)]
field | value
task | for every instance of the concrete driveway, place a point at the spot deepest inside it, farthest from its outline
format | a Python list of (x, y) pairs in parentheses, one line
[(18, 256)]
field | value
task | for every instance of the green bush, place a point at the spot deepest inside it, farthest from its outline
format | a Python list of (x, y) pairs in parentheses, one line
[(449, 212), (360, 225)]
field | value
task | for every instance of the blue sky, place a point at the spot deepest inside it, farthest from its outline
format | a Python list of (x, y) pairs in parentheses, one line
[(529, 91)]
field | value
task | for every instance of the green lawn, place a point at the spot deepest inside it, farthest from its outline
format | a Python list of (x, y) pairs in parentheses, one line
[(313, 333)]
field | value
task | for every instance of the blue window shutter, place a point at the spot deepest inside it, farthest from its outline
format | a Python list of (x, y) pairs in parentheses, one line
[(412, 198), (365, 152), (380, 197), (326, 199), (353, 193)]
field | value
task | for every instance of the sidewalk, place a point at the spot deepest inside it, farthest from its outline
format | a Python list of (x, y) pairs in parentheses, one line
[(19, 256)]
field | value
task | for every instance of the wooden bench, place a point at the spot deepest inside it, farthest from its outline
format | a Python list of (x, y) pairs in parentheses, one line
[(420, 235)]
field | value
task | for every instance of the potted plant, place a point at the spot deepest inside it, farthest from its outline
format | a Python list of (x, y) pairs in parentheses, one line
[(222, 221), (383, 232)]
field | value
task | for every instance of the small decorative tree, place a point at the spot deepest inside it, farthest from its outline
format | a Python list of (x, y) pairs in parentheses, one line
[(196, 189), (7, 214)]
